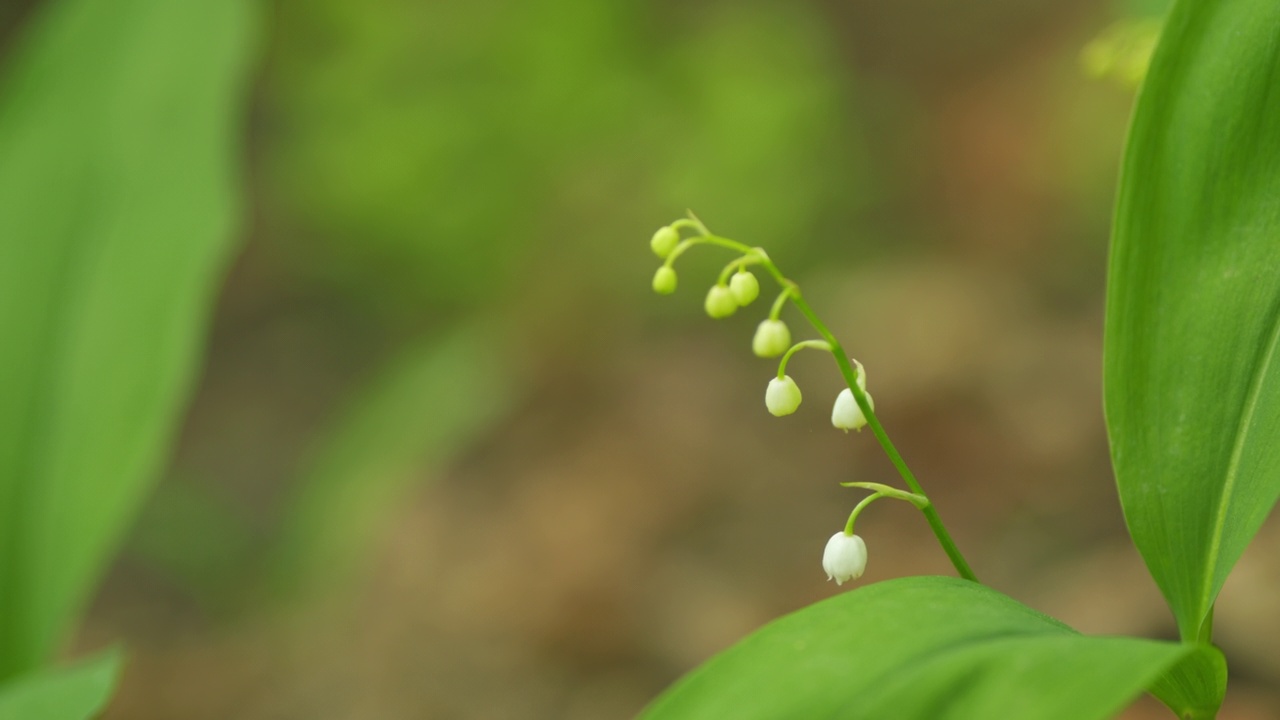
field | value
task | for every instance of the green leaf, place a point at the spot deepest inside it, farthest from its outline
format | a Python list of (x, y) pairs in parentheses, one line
[(1193, 312), (930, 648), (1144, 8), (119, 126), (79, 692), (1194, 688)]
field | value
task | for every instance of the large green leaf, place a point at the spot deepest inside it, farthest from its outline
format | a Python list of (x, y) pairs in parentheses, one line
[(932, 648), (76, 693), (118, 142), (1193, 313)]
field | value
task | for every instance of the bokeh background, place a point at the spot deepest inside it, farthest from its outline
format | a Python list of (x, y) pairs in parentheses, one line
[(451, 458)]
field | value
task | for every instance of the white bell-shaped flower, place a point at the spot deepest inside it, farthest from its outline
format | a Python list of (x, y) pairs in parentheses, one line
[(845, 558), (846, 414), (783, 396)]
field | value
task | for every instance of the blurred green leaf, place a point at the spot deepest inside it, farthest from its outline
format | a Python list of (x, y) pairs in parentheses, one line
[(1145, 8), (119, 126), (192, 535), (754, 134), (1193, 313), (1123, 50), (930, 648), (405, 134), (79, 692), (428, 402)]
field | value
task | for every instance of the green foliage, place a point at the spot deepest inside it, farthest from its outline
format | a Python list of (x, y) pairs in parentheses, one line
[(432, 398), (404, 135), (1193, 315), (1194, 688), (1145, 8), (197, 539), (928, 648), (1193, 409), (119, 124), (1123, 50), (75, 693)]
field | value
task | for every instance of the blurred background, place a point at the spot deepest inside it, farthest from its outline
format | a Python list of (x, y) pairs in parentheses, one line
[(451, 458)]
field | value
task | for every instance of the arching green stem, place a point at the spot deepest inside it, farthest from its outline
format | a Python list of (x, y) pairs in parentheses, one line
[(814, 344), (857, 510), (776, 311), (739, 264), (688, 223)]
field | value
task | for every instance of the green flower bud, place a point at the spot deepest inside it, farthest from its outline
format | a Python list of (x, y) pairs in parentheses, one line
[(664, 281), (664, 241), (745, 287), (783, 396), (772, 338), (720, 302)]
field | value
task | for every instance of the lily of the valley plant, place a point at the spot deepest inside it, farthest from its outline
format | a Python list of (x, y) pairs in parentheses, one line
[(845, 557)]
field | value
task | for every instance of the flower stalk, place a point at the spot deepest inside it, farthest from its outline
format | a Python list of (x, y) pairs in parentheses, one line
[(791, 292)]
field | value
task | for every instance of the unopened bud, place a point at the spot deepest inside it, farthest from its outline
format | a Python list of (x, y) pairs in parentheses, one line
[(745, 287), (772, 338), (783, 396), (664, 241), (720, 302), (664, 281)]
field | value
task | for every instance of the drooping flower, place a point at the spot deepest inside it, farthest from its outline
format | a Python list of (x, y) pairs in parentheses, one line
[(772, 338), (664, 280), (845, 557), (783, 396), (745, 287), (720, 302), (846, 414), (664, 241)]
